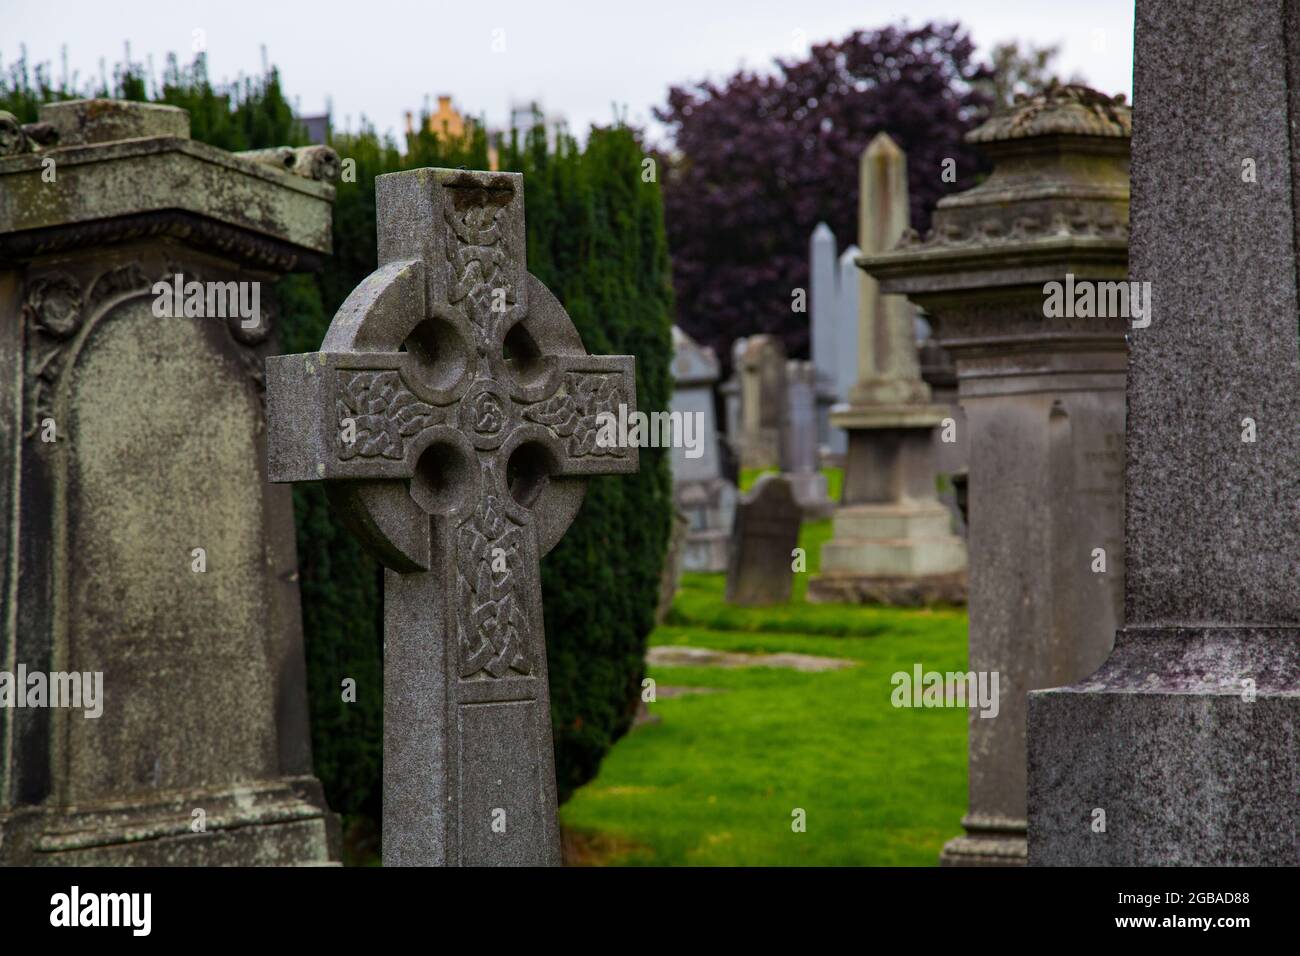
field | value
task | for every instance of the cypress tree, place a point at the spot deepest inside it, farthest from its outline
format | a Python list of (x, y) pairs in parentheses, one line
[(596, 238)]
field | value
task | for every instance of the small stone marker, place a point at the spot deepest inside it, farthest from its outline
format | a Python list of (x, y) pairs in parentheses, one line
[(473, 412), (701, 493), (766, 532), (799, 440), (761, 370)]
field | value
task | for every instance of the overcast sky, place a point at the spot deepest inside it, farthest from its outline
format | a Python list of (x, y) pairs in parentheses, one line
[(579, 57)]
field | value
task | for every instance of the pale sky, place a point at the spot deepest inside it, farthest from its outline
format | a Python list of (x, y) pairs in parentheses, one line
[(578, 57)]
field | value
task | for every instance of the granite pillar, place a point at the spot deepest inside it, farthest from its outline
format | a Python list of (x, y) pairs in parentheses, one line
[(824, 307), (799, 458), (1184, 748)]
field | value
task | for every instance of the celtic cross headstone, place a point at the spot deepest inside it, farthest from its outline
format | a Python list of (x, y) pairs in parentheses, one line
[(453, 414)]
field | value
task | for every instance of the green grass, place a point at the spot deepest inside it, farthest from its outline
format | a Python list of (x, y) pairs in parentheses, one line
[(716, 780)]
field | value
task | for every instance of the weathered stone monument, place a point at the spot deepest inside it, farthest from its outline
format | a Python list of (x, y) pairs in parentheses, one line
[(458, 468), (701, 493), (799, 458), (143, 549), (1184, 748), (893, 540), (760, 369), (766, 533), (772, 407), (1044, 401)]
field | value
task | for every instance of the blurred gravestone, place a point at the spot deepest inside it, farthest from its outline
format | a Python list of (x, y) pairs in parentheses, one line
[(766, 534), (671, 573), (799, 459), (706, 498), (825, 313), (729, 391), (763, 409), (847, 318)]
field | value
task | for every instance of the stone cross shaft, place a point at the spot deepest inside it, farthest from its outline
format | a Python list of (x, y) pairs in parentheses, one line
[(452, 414)]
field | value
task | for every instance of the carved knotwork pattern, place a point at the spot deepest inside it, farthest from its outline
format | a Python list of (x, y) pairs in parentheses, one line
[(492, 625), (479, 260), (384, 412), (488, 414), (572, 412)]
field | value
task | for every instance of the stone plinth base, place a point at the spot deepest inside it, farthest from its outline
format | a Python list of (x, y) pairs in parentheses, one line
[(897, 591), (1184, 746), (276, 823), (879, 417), (988, 841), (901, 554), (894, 540)]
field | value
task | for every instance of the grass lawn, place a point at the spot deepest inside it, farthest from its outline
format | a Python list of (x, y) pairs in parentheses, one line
[(716, 781)]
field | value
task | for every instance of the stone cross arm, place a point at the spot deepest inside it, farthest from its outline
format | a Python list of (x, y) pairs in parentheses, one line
[(368, 421), (453, 413)]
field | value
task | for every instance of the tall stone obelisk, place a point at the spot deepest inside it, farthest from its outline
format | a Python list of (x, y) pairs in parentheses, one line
[(892, 541)]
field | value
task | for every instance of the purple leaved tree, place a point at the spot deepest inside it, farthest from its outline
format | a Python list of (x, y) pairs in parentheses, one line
[(761, 159)]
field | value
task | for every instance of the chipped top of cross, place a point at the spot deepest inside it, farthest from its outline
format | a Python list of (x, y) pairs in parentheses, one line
[(451, 368)]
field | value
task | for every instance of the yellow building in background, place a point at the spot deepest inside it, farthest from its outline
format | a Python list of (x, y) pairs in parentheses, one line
[(448, 123)]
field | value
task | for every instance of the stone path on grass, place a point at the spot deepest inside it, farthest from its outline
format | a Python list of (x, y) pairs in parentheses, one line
[(676, 656)]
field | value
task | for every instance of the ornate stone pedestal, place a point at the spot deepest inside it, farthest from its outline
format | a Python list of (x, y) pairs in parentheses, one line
[(1044, 416)]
